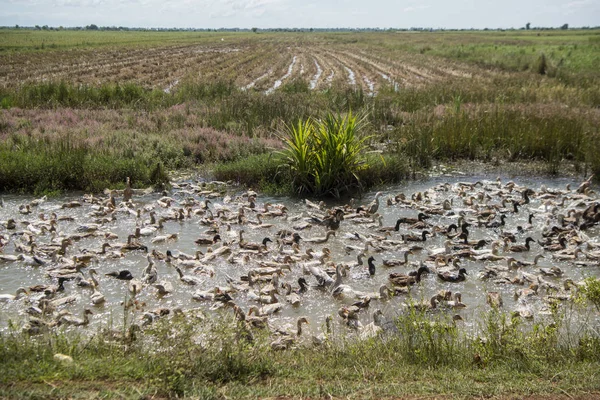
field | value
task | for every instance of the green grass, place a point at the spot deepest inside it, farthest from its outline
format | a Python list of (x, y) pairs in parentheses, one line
[(47, 40), (261, 172), (430, 356), (229, 126), (573, 51), (570, 53), (116, 96), (498, 133), (267, 172), (325, 156), (39, 168), (505, 110)]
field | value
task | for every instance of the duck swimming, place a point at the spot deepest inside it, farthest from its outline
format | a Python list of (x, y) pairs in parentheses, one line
[(251, 268), (122, 275), (252, 245), (398, 263), (12, 297), (522, 248), (398, 279), (374, 205), (416, 238), (74, 321), (371, 265), (189, 279), (286, 338), (450, 277), (320, 239)]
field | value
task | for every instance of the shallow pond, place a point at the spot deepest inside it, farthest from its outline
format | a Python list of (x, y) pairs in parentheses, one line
[(316, 303)]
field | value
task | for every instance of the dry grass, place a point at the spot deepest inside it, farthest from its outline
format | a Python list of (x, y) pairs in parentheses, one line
[(408, 59), (189, 98)]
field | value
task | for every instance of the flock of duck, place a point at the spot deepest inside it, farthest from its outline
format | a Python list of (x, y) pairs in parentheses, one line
[(267, 263)]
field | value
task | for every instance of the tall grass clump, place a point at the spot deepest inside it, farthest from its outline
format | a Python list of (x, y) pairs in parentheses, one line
[(263, 172), (66, 94), (591, 291), (593, 154), (203, 90), (430, 341), (43, 166), (541, 65), (325, 155), (259, 171), (53, 94), (497, 133)]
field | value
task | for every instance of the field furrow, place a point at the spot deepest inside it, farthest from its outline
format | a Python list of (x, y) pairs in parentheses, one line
[(317, 76), (279, 81), (275, 68)]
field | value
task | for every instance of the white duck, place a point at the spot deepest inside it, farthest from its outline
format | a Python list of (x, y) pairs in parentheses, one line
[(72, 320), (11, 297)]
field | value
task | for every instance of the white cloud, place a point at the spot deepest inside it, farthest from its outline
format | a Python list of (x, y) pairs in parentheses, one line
[(416, 8), (26, 2), (577, 4), (300, 13), (79, 3), (242, 8)]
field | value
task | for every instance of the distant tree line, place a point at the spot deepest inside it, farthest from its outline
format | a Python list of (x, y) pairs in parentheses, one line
[(563, 26), (94, 27)]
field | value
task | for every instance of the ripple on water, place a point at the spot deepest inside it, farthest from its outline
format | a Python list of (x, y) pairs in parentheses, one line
[(316, 304)]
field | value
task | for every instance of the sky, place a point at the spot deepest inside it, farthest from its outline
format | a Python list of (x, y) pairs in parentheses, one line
[(450, 14)]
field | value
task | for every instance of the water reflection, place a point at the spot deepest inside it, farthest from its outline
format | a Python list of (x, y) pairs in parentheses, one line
[(315, 303)]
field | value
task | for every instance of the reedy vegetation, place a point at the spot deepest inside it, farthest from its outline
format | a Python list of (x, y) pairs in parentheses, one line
[(326, 155), (245, 123), (64, 135), (492, 110), (430, 354)]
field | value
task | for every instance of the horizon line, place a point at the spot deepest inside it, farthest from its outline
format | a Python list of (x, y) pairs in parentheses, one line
[(415, 28)]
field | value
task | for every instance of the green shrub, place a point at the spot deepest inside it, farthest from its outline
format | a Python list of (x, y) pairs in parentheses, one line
[(158, 176), (39, 167), (541, 66), (260, 171), (325, 155), (591, 291)]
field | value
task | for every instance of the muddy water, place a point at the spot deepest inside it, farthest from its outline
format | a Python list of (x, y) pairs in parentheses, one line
[(316, 303), (315, 79), (351, 76), (253, 83), (279, 81), (370, 84)]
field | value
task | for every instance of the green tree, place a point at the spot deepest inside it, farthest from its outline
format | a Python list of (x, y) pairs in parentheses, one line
[(528, 25)]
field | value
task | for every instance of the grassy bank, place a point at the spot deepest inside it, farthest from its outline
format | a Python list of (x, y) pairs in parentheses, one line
[(222, 124), (184, 99), (429, 355), (35, 167), (268, 173), (295, 96)]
